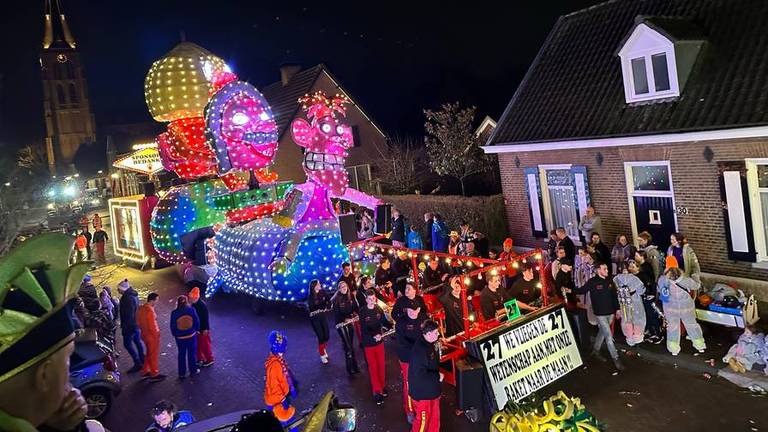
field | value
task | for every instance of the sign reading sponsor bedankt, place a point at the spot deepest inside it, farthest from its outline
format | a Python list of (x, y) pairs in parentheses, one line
[(521, 359)]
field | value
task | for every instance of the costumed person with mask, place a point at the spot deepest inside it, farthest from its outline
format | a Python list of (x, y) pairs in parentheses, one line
[(281, 386), (677, 293), (747, 351), (630, 290), (37, 286)]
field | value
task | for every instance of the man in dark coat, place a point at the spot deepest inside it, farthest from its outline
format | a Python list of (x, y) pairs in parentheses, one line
[(398, 229), (129, 304), (427, 231)]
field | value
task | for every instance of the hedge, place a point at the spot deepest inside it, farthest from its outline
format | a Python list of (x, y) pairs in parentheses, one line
[(485, 214)]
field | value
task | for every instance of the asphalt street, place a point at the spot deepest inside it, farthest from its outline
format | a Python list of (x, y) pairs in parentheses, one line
[(645, 397)]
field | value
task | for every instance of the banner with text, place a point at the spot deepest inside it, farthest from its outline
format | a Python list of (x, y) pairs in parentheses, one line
[(527, 357)]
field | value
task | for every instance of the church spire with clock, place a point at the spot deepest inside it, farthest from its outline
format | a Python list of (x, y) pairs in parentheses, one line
[(69, 121)]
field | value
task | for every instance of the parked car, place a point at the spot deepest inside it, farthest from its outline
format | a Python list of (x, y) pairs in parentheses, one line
[(93, 370), (327, 416)]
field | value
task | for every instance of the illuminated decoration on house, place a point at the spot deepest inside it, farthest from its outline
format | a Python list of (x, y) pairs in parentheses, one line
[(274, 260)]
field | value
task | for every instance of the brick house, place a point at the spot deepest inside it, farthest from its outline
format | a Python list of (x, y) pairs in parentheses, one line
[(283, 98), (654, 112)]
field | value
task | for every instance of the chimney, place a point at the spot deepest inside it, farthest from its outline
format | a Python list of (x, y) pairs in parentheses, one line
[(287, 71)]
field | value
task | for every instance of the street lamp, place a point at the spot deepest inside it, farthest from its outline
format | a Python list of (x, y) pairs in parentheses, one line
[(100, 172), (7, 184)]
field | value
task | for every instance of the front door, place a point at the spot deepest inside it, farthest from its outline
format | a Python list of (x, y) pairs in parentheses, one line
[(657, 216), (651, 200)]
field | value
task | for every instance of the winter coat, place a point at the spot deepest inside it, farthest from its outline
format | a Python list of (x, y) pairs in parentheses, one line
[(184, 322), (602, 295), (589, 225), (129, 304), (398, 229), (439, 236), (427, 235), (202, 313), (653, 257), (619, 255), (690, 265), (414, 240), (423, 371), (181, 418)]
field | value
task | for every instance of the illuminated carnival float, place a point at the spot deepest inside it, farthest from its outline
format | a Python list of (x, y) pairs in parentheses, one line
[(269, 238)]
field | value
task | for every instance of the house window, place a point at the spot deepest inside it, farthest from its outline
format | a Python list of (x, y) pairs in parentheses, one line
[(648, 66), (757, 186), (356, 136), (564, 198), (650, 76), (639, 76)]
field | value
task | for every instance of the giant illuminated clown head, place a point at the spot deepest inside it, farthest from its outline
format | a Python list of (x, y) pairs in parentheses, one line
[(325, 139)]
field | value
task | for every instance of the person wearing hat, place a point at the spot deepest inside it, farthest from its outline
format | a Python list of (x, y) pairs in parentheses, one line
[(37, 336), (280, 386), (677, 292), (129, 305), (146, 319), (204, 350), (454, 243)]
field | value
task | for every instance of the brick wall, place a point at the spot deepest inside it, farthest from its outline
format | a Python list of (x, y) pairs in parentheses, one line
[(695, 182)]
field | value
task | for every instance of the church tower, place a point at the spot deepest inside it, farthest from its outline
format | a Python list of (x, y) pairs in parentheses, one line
[(69, 121)]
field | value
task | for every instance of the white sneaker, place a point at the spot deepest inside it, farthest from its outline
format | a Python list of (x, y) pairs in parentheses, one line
[(324, 359)]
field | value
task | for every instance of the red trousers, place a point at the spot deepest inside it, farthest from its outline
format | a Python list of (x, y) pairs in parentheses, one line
[(407, 402), (204, 351), (100, 251), (374, 356), (427, 415), (151, 364)]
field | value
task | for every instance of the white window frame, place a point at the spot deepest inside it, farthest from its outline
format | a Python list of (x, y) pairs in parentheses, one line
[(354, 169), (545, 197), (632, 193), (755, 202), (652, 43)]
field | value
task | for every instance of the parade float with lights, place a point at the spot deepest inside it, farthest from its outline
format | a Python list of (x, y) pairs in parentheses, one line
[(269, 238)]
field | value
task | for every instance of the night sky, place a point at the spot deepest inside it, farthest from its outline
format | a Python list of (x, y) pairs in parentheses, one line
[(394, 60)]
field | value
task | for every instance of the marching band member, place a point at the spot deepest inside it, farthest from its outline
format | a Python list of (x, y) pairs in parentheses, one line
[(344, 308), (409, 300), (491, 299), (454, 313), (434, 275), (407, 332), (373, 324), (318, 305), (385, 278), (424, 378)]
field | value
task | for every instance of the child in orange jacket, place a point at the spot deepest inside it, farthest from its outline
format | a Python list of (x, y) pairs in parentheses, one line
[(280, 385)]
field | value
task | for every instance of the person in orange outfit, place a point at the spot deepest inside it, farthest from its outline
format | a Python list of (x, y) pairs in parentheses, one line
[(281, 386), (146, 319)]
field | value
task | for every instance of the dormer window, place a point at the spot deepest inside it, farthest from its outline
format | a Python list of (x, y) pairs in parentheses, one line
[(657, 57)]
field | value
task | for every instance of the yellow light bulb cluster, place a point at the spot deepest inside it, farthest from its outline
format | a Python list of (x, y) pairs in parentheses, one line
[(176, 86)]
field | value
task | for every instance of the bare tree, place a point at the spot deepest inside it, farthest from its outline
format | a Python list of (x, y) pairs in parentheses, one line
[(33, 159), (452, 146), (398, 165)]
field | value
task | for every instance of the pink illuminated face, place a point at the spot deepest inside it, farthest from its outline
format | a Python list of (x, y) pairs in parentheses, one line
[(327, 142), (248, 130)]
